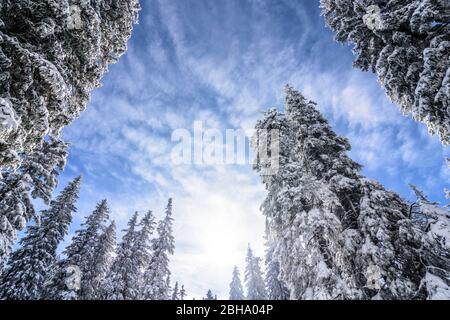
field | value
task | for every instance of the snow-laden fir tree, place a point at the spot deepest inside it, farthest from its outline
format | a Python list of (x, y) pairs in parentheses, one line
[(276, 289), (83, 250), (28, 267), (236, 290), (121, 282), (157, 274), (52, 54), (407, 44), (182, 292), (142, 250), (126, 278), (36, 178), (336, 234), (297, 202), (210, 296), (175, 292), (80, 255), (104, 256), (434, 221), (254, 281)]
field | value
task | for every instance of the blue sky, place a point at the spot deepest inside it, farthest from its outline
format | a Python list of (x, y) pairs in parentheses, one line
[(224, 62)]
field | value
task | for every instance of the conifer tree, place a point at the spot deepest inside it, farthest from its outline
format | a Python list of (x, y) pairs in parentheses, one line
[(36, 178), (276, 289), (254, 280), (80, 255), (182, 292), (29, 266), (142, 250), (52, 55), (337, 234), (210, 296), (175, 292), (432, 237), (407, 44), (102, 262), (236, 291), (157, 274), (121, 281)]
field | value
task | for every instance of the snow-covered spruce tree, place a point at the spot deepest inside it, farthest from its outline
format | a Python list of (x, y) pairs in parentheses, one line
[(142, 250), (276, 289), (80, 254), (126, 278), (291, 195), (236, 290), (182, 292), (175, 292), (157, 274), (336, 234), (102, 262), (254, 281), (210, 296), (28, 268), (121, 281), (52, 54), (36, 178), (83, 250), (433, 240), (407, 44)]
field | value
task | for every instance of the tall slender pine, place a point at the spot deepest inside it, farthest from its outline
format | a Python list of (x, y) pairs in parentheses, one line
[(236, 290), (142, 250), (182, 292), (157, 275), (254, 280), (29, 266), (80, 254), (120, 284), (175, 292), (102, 261)]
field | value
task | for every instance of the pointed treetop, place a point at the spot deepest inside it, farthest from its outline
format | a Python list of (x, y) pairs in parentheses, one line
[(297, 105), (166, 239), (182, 292), (148, 222), (249, 250), (133, 221), (292, 92), (77, 180), (236, 290), (210, 296), (99, 215), (169, 207), (175, 293)]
